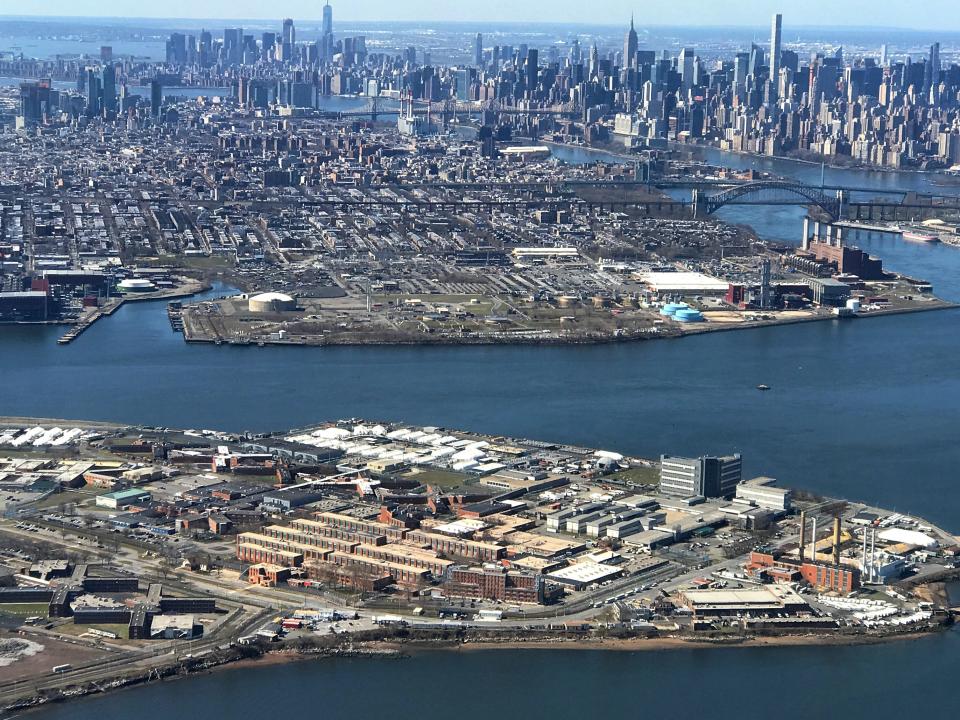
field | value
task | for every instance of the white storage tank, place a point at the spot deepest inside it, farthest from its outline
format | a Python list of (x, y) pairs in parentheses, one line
[(135, 285), (271, 302), (853, 305)]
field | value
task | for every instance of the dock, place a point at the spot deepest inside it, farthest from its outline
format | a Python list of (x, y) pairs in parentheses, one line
[(109, 308), (175, 315)]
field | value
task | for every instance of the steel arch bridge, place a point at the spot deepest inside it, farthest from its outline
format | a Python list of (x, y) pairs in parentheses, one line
[(773, 192)]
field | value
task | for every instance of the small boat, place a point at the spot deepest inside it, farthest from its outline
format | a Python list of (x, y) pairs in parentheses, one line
[(763, 387), (919, 237)]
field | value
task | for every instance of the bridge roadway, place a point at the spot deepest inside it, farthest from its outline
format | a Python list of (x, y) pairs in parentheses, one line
[(864, 210), (662, 184)]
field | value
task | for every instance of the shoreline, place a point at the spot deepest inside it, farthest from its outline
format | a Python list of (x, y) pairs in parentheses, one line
[(682, 332), (393, 648)]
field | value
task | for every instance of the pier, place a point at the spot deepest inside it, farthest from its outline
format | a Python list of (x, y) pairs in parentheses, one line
[(109, 308)]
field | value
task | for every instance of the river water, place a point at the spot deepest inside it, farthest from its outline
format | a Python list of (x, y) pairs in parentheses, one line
[(885, 681), (865, 409)]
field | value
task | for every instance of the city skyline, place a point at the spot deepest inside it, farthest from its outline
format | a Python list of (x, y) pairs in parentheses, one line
[(850, 14)]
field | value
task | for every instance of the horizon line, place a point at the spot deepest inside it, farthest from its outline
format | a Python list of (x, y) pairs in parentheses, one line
[(128, 19)]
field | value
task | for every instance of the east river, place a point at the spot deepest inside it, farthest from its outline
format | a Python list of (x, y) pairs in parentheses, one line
[(866, 409)]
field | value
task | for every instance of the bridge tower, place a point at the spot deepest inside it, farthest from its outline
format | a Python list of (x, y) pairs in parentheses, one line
[(843, 197), (697, 205)]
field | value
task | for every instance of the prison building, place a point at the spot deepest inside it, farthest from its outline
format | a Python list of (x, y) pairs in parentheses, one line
[(403, 575), (468, 549), (407, 555), (111, 584), (493, 582), (188, 605), (370, 527), (306, 539), (319, 529), (139, 626), (255, 554), (60, 602)]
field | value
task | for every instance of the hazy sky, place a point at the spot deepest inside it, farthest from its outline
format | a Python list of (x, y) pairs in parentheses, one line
[(937, 14)]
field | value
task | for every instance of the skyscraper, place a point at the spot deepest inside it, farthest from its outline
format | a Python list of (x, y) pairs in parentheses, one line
[(206, 48), (775, 42), (177, 49), (532, 69), (34, 100), (327, 27), (685, 64), (326, 35), (93, 93), (756, 60), (109, 88), (630, 45), (156, 97), (289, 32), (931, 79), (478, 51), (233, 44)]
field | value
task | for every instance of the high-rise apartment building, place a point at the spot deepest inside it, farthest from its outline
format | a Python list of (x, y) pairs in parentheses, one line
[(776, 29)]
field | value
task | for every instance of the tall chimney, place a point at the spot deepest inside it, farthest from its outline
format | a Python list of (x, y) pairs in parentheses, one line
[(836, 540), (813, 540), (805, 245), (803, 532), (867, 561)]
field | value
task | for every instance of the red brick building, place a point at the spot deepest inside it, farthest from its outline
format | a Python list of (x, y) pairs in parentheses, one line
[(821, 575), (493, 582)]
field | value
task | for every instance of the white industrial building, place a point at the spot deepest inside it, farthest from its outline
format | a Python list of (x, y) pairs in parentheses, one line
[(174, 627), (684, 283), (583, 574), (761, 491)]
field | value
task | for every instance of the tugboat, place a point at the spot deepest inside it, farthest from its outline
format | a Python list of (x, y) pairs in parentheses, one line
[(763, 388)]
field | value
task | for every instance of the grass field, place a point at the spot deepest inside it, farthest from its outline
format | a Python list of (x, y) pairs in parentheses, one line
[(198, 262), (638, 475), (72, 629), (25, 609), (440, 478)]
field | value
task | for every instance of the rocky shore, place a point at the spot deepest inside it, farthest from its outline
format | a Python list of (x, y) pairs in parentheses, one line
[(406, 643)]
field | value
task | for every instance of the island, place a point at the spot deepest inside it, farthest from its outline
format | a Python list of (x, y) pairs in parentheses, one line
[(129, 554)]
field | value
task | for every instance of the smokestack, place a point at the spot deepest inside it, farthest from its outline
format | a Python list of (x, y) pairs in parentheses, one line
[(816, 231), (866, 562), (803, 532), (839, 237), (836, 540), (805, 245), (813, 540)]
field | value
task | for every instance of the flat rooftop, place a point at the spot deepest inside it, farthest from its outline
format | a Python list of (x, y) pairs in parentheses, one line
[(585, 572)]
